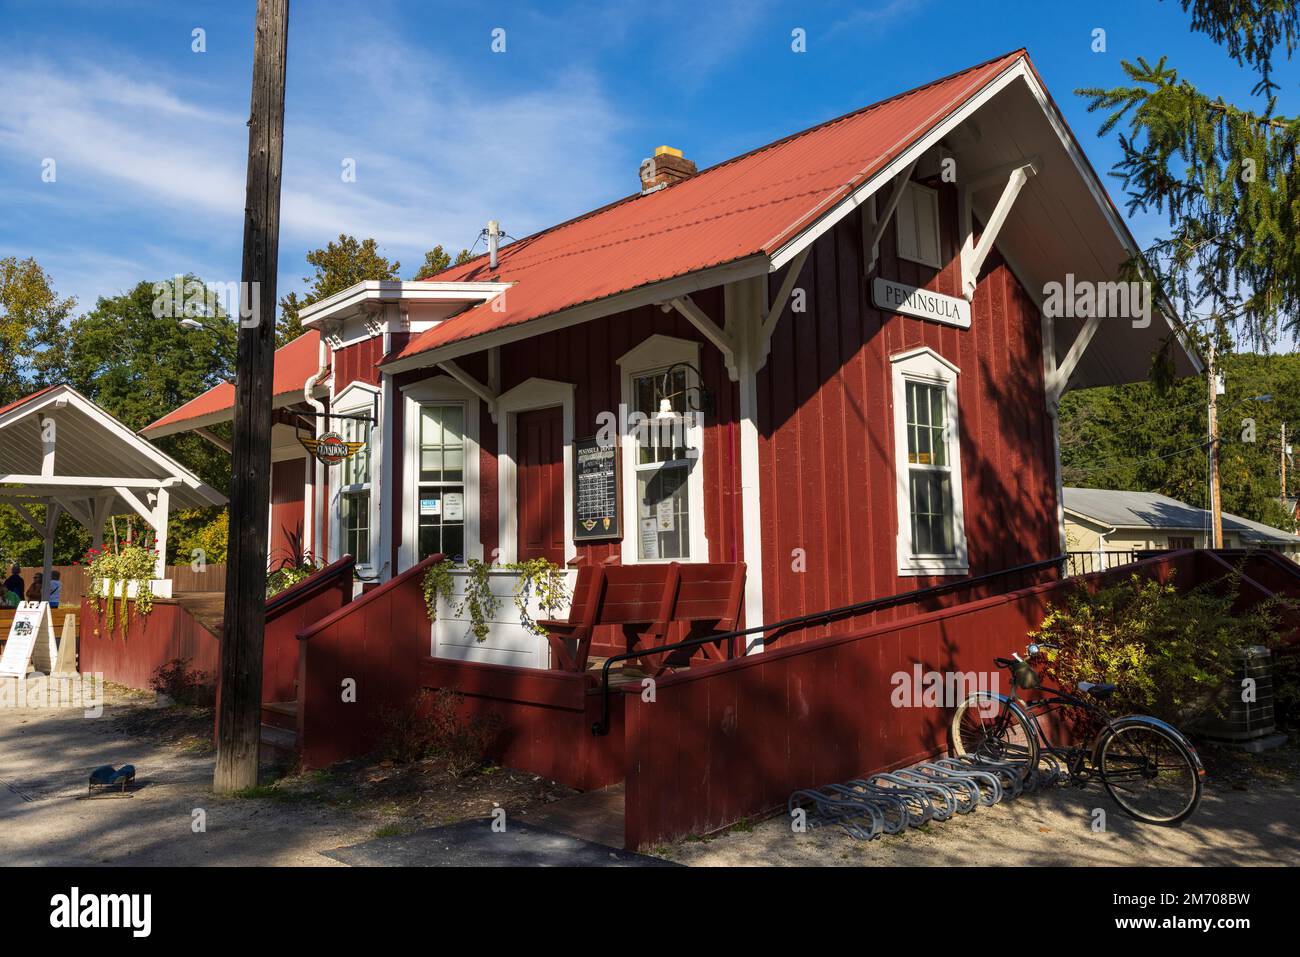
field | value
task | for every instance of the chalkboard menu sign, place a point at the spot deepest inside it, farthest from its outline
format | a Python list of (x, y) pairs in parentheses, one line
[(595, 494)]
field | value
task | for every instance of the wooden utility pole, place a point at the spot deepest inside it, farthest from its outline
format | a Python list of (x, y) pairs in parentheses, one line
[(1216, 500), (239, 716)]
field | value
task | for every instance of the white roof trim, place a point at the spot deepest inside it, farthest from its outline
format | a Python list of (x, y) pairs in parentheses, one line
[(66, 394), (379, 291)]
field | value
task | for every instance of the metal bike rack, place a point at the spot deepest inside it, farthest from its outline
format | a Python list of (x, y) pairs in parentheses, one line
[(891, 801)]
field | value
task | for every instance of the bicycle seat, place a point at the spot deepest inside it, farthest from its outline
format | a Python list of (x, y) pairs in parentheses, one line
[(1097, 691)]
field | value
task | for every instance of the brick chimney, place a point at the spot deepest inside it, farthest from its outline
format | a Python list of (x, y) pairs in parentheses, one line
[(667, 167)]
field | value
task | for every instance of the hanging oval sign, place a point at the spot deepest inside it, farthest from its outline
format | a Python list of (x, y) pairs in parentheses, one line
[(331, 448)]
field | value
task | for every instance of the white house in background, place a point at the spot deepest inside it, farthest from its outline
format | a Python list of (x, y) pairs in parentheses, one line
[(1111, 525)]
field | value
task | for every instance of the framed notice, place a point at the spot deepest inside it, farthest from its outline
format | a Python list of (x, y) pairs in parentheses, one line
[(595, 491), (31, 641)]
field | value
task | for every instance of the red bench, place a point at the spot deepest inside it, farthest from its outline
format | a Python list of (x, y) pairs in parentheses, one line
[(657, 602)]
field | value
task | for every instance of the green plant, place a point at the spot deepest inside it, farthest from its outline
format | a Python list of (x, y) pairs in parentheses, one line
[(543, 579), (1168, 651), (111, 570), (436, 584), (291, 573), (479, 601)]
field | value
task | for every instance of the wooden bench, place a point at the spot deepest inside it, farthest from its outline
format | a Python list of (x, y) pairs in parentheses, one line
[(707, 599), (656, 602)]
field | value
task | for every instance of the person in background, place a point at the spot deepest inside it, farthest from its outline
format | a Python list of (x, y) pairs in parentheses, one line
[(14, 583), (56, 588), (34, 590)]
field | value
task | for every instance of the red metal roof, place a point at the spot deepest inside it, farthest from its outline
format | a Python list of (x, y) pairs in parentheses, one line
[(752, 204), (23, 401), (294, 363)]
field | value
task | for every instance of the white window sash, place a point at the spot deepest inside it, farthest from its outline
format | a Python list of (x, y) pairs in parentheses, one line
[(927, 367)]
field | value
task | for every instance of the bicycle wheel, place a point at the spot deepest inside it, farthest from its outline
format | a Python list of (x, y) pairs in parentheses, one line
[(993, 727), (1150, 774)]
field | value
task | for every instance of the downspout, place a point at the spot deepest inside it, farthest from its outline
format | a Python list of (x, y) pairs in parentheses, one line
[(321, 425)]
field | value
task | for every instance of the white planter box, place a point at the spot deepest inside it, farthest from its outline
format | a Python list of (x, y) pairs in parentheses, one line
[(508, 642), (161, 588)]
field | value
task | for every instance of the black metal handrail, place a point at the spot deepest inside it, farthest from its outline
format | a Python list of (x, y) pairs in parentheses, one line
[(601, 727)]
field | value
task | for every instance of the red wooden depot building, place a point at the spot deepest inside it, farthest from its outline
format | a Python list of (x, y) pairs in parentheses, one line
[(851, 329)]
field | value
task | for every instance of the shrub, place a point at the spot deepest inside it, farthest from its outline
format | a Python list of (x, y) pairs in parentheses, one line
[(183, 684), (1169, 651), (431, 725)]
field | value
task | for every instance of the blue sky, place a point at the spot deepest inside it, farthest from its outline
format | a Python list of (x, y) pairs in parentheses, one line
[(150, 142)]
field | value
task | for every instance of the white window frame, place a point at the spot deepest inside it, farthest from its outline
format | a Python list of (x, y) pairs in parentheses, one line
[(657, 353), (926, 366), (905, 221), (439, 390), (359, 398), (529, 396)]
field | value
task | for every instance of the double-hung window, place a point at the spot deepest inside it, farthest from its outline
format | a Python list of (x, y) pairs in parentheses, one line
[(441, 480), (663, 465), (354, 491), (662, 452), (931, 533)]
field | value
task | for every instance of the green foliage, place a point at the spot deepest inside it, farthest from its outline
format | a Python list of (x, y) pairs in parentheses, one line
[(1169, 651), (537, 578), (438, 260), (437, 584), (117, 568), (1251, 30), (290, 574), (1226, 177), (545, 580), (31, 328), (479, 601), (339, 265), (1138, 437), (202, 530)]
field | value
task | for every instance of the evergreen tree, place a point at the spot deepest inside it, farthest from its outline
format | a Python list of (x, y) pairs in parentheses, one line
[(1225, 176)]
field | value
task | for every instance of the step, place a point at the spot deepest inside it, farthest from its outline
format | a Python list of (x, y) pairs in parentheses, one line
[(280, 714), (279, 742)]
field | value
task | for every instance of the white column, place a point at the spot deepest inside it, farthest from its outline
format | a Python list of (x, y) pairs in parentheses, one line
[(744, 305), (160, 520), (52, 510)]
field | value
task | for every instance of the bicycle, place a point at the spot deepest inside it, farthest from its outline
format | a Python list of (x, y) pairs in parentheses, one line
[(1147, 766)]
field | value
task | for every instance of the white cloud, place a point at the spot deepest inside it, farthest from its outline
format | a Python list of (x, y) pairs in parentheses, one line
[(437, 153)]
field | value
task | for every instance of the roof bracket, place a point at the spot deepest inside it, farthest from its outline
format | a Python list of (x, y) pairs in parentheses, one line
[(723, 340), (972, 255), (874, 223), (488, 396), (1059, 376)]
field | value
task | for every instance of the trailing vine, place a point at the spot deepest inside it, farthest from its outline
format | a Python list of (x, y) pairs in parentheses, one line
[(109, 571), (479, 601), (541, 579), (437, 584), (537, 579)]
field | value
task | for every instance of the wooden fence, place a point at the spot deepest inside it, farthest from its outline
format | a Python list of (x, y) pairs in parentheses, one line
[(76, 583)]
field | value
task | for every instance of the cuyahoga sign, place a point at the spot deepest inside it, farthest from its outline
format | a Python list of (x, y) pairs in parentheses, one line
[(921, 303), (331, 448)]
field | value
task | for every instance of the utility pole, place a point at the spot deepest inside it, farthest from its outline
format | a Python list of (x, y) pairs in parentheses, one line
[(1216, 499), (1283, 464), (239, 717)]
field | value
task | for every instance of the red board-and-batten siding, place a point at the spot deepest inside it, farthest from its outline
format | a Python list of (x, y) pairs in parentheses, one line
[(826, 435), (826, 446)]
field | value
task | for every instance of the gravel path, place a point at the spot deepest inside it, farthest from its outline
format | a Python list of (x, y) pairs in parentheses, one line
[(1256, 827), (45, 760)]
